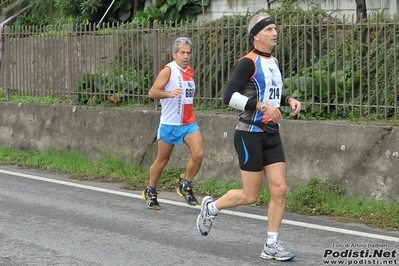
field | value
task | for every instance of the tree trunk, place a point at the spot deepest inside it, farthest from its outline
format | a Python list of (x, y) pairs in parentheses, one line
[(135, 5), (361, 13), (361, 10), (269, 4)]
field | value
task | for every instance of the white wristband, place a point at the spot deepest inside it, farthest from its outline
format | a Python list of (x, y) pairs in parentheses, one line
[(238, 101)]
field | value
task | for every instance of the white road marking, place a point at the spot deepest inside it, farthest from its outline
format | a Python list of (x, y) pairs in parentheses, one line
[(247, 215)]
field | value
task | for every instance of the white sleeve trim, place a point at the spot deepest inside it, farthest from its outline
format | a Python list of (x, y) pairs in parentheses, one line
[(238, 101)]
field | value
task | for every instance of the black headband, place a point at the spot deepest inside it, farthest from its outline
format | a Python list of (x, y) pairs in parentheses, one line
[(261, 25)]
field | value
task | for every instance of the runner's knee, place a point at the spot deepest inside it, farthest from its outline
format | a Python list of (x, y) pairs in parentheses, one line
[(279, 190)]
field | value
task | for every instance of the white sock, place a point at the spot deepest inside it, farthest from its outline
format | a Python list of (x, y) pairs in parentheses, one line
[(271, 238), (212, 209)]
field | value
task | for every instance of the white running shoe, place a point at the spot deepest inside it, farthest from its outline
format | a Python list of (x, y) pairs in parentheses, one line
[(205, 220), (276, 252)]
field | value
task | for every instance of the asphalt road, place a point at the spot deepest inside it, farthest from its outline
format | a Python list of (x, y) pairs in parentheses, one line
[(48, 219)]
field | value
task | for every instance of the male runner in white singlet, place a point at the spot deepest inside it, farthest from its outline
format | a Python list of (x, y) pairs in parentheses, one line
[(175, 87)]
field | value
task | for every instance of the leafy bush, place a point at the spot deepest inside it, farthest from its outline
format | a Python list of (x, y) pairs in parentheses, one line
[(324, 92), (31, 20), (171, 11), (80, 12), (380, 69), (98, 88)]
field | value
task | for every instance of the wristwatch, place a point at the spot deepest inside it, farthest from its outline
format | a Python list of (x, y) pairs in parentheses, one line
[(263, 108)]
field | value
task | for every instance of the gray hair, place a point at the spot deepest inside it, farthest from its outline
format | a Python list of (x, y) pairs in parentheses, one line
[(255, 19), (181, 40)]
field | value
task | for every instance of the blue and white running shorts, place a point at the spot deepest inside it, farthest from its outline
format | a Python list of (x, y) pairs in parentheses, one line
[(172, 134)]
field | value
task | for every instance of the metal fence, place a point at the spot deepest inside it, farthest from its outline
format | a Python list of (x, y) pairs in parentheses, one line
[(334, 66)]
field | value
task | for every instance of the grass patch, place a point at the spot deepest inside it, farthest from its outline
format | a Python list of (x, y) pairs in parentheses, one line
[(213, 188), (317, 197), (66, 100), (321, 197), (20, 98)]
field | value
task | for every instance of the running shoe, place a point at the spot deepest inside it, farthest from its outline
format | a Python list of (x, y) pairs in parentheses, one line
[(205, 220), (276, 252), (188, 195), (151, 198)]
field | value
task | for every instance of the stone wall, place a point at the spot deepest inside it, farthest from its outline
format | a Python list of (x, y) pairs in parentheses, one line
[(361, 157)]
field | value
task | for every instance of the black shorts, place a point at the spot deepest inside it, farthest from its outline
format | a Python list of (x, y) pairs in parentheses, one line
[(257, 149)]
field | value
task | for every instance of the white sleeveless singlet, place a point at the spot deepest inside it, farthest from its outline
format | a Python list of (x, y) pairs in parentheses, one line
[(179, 111)]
